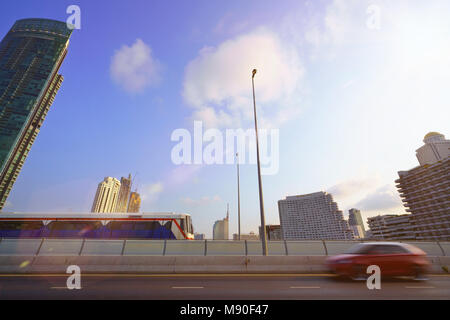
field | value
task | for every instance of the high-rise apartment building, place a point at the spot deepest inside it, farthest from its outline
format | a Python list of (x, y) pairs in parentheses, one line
[(124, 194), (134, 205), (220, 228), (391, 227), (107, 195), (30, 57), (312, 216), (356, 222), (425, 190)]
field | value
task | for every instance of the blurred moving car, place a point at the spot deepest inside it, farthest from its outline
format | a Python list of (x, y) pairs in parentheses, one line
[(393, 258)]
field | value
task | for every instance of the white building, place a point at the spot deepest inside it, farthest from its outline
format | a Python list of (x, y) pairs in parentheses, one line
[(107, 196), (220, 228), (435, 149), (313, 216)]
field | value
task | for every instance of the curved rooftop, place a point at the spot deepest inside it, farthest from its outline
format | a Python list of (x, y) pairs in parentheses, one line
[(432, 134)]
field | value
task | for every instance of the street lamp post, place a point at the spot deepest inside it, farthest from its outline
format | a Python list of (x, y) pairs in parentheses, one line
[(239, 198), (261, 202)]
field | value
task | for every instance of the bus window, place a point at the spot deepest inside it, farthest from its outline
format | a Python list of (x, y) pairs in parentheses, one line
[(121, 229), (82, 229), (17, 229)]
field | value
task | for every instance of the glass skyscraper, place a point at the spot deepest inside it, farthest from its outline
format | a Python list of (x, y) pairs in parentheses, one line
[(30, 57)]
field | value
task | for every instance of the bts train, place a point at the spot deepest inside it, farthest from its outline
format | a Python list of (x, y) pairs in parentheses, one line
[(96, 225)]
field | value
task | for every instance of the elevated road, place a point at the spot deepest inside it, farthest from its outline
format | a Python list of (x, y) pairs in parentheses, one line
[(210, 287)]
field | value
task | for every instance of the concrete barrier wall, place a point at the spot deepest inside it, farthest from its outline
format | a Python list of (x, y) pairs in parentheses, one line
[(254, 248), (301, 248), (225, 248), (445, 247), (338, 247), (92, 247), (63, 247), (19, 247), (144, 248), (185, 248), (178, 264), (102, 247)]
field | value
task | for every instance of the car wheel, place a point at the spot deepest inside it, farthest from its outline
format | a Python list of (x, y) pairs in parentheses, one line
[(359, 273)]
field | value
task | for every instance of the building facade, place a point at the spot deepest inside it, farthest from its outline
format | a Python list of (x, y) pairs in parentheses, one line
[(220, 228), (425, 192), (313, 216), (134, 205), (106, 197), (30, 57), (356, 223), (246, 236), (436, 148), (391, 227), (124, 194)]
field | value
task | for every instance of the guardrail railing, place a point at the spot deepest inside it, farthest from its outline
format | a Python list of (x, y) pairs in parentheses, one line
[(95, 247)]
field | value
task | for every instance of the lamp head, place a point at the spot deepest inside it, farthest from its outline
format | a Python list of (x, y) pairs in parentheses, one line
[(253, 73)]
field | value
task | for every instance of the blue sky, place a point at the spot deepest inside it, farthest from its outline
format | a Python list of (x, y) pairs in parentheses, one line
[(352, 86)]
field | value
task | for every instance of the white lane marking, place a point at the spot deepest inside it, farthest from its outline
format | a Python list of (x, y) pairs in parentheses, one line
[(188, 287), (420, 287), (305, 287)]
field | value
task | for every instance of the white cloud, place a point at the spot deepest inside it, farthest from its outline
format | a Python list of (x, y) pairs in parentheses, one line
[(217, 83), (369, 194), (382, 199), (151, 192), (134, 68), (350, 187)]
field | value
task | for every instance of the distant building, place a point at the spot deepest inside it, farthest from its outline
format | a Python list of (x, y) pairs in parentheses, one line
[(105, 200), (436, 148), (312, 216), (273, 232), (220, 228), (355, 220), (199, 236), (124, 194), (134, 205), (425, 190), (244, 236), (31, 54), (391, 227)]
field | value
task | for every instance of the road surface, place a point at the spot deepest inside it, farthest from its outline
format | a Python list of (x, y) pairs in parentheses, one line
[(223, 287)]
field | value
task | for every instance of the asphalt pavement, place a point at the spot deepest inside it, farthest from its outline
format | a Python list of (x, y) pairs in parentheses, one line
[(223, 287)]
